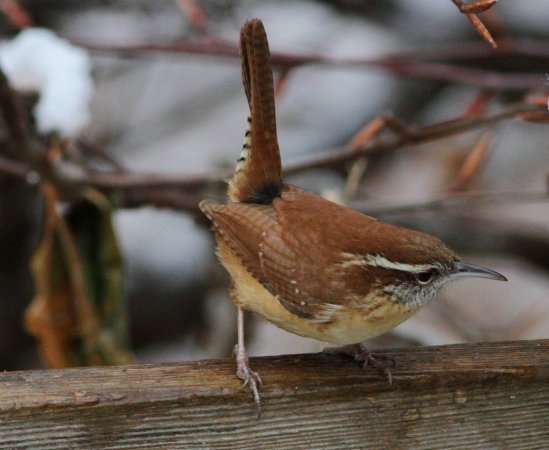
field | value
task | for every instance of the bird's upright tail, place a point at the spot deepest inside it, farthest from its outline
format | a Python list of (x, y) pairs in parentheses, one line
[(258, 177)]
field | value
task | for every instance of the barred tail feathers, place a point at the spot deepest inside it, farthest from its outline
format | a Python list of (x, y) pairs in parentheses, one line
[(258, 175)]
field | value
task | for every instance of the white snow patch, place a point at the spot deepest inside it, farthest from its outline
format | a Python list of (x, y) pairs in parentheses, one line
[(38, 60)]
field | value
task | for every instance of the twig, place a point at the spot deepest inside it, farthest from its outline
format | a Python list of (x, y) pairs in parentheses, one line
[(415, 136), (14, 168), (410, 63), (525, 48), (16, 14), (35, 160), (366, 133), (206, 48), (93, 149), (181, 201), (473, 162), (193, 12), (333, 158), (15, 119), (454, 200), (462, 75), (465, 51), (479, 103), (129, 180), (360, 139), (471, 10)]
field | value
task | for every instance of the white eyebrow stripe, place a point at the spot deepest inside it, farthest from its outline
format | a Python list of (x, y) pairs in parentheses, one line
[(380, 261)]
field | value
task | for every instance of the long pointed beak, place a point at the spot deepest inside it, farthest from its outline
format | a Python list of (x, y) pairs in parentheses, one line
[(472, 270)]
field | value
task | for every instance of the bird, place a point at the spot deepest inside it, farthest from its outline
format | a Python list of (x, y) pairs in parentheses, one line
[(310, 266)]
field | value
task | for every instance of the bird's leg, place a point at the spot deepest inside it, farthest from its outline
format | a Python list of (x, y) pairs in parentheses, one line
[(358, 352), (243, 370)]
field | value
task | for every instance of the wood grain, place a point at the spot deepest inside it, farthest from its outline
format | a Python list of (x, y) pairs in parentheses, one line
[(481, 396)]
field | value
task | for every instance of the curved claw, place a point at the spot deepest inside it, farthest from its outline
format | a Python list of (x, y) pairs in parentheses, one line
[(383, 367), (250, 378), (381, 363)]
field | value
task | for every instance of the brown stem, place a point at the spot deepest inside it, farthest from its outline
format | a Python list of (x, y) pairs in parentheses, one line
[(454, 200), (416, 136), (333, 158), (410, 63)]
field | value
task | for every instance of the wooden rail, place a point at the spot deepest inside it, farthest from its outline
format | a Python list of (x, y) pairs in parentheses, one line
[(481, 396)]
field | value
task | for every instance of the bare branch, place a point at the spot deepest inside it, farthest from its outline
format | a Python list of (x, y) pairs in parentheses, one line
[(412, 63), (14, 168), (335, 158), (415, 136), (454, 201)]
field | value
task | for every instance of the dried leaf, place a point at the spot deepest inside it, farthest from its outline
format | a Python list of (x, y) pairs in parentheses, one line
[(50, 316), (78, 314)]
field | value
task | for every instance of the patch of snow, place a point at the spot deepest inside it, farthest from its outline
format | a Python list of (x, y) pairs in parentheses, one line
[(38, 60)]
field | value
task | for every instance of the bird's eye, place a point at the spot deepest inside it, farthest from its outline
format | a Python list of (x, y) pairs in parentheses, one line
[(425, 277)]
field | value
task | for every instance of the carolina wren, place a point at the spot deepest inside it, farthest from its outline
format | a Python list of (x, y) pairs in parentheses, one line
[(310, 266)]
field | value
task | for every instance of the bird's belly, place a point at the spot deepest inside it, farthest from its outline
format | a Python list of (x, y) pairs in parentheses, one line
[(353, 325), (348, 325)]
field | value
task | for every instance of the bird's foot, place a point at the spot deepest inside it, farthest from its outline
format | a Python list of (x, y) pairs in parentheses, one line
[(249, 377), (382, 363)]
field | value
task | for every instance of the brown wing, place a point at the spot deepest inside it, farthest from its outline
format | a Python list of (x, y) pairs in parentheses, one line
[(257, 178), (295, 263), (290, 266)]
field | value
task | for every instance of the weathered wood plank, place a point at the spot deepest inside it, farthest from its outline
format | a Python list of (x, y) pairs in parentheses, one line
[(464, 396)]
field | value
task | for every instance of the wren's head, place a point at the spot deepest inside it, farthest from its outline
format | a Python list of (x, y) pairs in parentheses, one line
[(414, 269)]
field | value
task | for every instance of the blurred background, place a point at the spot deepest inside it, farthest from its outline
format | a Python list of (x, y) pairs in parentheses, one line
[(182, 113)]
